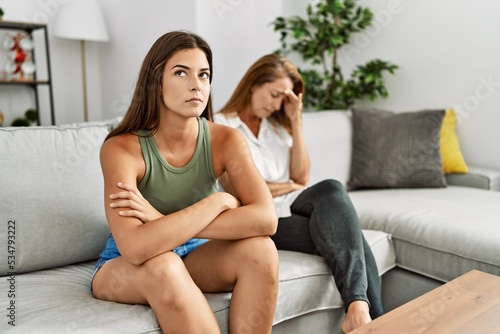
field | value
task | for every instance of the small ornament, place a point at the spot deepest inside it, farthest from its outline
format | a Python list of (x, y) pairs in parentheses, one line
[(20, 56), (20, 63)]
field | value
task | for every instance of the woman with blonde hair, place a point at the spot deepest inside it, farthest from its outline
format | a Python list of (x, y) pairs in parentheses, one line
[(266, 107)]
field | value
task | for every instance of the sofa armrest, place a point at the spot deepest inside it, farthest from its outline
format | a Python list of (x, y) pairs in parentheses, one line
[(477, 177)]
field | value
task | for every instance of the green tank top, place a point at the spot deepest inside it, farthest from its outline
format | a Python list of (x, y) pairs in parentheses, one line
[(170, 189)]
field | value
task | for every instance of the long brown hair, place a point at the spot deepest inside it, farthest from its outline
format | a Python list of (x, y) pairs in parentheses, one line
[(266, 69), (144, 109)]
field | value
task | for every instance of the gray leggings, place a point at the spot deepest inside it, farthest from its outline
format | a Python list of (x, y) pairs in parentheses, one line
[(324, 222)]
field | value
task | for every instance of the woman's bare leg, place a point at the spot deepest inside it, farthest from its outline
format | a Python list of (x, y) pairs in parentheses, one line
[(162, 282), (251, 268)]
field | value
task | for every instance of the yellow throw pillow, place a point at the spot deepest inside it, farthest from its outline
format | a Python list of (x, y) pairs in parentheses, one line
[(453, 160)]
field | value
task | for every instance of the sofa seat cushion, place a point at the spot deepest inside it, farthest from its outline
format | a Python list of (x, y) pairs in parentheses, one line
[(439, 233), (59, 300)]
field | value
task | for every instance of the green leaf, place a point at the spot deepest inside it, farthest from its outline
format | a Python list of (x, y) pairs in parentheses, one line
[(317, 38)]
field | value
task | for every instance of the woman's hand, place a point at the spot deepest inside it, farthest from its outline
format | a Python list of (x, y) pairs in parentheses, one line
[(299, 158), (281, 188), (228, 201), (134, 203), (293, 105)]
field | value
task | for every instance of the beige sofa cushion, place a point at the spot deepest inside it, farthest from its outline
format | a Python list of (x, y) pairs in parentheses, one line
[(52, 194), (440, 233)]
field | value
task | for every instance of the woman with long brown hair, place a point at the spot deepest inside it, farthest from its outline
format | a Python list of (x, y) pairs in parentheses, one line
[(173, 235)]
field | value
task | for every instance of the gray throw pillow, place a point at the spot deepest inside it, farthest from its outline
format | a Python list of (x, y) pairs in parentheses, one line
[(396, 150)]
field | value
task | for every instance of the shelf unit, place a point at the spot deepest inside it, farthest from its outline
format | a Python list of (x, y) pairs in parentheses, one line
[(33, 83)]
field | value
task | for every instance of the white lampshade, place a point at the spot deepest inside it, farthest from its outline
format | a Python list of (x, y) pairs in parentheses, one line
[(81, 20)]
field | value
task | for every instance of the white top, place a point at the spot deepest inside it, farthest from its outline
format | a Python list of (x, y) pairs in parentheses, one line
[(271, 154)]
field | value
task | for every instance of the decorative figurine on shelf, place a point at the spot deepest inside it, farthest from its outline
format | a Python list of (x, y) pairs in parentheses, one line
[(30, 116), (20, 65)]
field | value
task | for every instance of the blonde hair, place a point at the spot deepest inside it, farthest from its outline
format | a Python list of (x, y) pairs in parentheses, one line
[(266, 69)]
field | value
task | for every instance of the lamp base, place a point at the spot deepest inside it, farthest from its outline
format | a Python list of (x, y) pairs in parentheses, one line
[(84, 82)]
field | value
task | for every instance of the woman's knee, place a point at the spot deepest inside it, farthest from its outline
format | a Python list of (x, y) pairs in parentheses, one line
[(330, 189), (164, 269), (331, 185), (161, 280), (166, 280), (260, 253)]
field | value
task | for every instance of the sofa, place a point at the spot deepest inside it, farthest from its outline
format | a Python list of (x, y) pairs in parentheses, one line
[(53, 229)]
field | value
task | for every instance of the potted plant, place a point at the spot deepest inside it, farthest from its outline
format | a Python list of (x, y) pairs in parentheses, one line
[(30, 117), (1, 14), (318, 37)]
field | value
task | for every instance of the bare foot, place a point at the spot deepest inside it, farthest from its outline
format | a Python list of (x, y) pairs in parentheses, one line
[(358, 314)]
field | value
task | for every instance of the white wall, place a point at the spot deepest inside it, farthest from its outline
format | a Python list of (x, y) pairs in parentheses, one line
[(238, 32), (134, 25), (449, 56), (448, 51)]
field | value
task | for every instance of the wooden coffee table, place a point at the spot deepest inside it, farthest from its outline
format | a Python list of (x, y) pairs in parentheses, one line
[(467, 304)]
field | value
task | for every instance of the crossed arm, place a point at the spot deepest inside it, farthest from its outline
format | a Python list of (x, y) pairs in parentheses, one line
[(141, 232)]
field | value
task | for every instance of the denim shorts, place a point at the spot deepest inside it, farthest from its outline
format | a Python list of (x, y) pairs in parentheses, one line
[(110, 251)]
